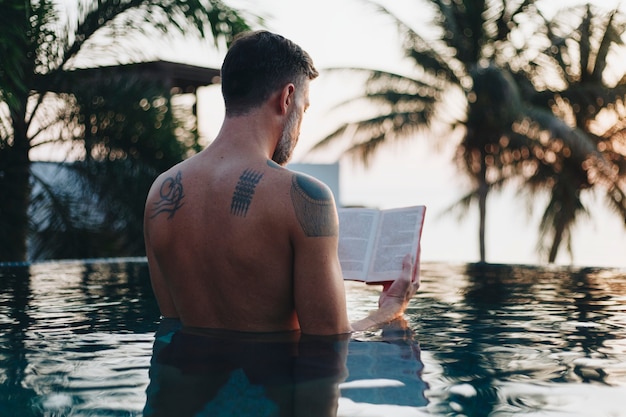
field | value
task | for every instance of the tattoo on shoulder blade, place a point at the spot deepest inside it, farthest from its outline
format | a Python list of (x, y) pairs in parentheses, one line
[(314, 206), (172, 195), (244, 191)]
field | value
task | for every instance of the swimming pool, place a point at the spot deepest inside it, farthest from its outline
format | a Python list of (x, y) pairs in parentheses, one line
[(76, 339)]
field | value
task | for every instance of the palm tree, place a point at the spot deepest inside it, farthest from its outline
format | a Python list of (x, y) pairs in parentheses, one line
[(469, 61), (40, 42), (94, 207), (574, 75), (484, 53)]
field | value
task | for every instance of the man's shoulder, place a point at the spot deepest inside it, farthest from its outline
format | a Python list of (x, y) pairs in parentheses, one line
[(174, 171), (303, 184), (311, 188), (167, 194), (314, 205)]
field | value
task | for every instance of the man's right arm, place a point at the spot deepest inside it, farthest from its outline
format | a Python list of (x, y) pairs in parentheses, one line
[(394, 299), (318, 282), (319, 291)]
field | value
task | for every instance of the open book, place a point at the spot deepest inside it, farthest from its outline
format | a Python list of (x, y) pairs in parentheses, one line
[(372, 242)]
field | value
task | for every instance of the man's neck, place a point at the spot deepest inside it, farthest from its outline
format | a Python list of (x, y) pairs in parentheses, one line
[(253, 134)]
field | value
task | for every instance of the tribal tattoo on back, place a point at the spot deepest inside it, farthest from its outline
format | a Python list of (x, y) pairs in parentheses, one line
[(244, 191), (313, 204), (171, 193)]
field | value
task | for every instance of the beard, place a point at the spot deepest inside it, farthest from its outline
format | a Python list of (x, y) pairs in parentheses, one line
[(287, 143)]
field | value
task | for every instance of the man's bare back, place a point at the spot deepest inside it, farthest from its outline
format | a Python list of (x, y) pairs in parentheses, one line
[(234, 240), (224, 243)]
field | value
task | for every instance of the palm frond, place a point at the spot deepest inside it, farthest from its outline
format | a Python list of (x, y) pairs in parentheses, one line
[(584, 45), (365, 150), (579, 142), (120, 20), (427, 54), (616, 199), (612, 36), (463, 205), (331, 137), (559, 217), (404, 105), (13, 53)]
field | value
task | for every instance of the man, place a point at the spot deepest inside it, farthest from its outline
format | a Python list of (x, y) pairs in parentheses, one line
[(236, 241)]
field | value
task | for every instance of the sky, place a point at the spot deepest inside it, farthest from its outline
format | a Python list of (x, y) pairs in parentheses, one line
[(349, 33)]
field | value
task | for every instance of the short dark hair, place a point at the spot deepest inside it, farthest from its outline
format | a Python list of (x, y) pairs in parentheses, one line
[(259, 63)]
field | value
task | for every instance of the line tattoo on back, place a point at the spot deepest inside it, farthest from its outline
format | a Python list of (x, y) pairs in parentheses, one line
[(244, 191), (171, 193)]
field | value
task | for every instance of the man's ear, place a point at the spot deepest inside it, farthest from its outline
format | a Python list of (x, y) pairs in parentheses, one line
[(287, 97)]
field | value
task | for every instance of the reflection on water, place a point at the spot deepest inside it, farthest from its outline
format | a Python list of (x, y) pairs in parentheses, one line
[(219, 373), (76, 339), (506, 340), (241, 374)]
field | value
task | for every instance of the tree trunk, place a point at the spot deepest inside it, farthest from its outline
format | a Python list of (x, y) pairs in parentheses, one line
[(483, 190), (558, 238), (15, 191)]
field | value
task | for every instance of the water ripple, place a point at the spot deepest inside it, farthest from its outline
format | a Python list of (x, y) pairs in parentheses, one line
[(494, 340)]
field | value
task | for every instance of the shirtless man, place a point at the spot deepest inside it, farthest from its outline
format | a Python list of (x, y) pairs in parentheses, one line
[(236, 241)]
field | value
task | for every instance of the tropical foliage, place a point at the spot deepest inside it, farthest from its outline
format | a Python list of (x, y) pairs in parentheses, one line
[(123, 129), (497, 59), (94, 205), (578, 84)]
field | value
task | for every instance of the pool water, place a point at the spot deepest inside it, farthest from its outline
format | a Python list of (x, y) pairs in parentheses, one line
[(76, 339)]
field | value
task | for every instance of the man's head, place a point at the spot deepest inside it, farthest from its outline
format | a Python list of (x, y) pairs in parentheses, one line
[(257, 65)]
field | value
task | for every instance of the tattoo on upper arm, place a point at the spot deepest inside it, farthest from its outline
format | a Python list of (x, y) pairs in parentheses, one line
[(244, 191), (314, 207), (171, 193)]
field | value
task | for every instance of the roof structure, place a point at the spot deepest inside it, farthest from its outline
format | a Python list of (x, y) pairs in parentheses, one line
[(181, 78)]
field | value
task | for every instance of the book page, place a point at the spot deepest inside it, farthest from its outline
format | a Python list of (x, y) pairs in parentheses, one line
[(356, 229), (399, 234)]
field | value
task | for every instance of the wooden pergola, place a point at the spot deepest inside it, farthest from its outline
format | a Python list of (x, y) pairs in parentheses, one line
[(181, 78)]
